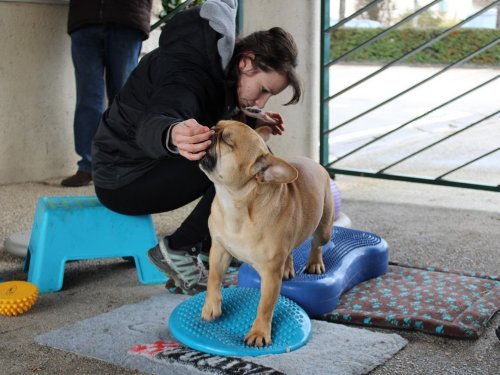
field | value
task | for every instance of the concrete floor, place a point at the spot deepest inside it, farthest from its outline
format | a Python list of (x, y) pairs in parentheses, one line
[(424, 226)]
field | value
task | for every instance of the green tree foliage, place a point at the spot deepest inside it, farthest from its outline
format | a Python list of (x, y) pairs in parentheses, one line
[(451, 48)]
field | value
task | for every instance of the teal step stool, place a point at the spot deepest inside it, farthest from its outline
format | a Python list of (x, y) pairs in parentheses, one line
[(80, 227)]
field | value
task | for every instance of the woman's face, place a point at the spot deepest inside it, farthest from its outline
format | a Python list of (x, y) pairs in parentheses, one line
[(255, 86)]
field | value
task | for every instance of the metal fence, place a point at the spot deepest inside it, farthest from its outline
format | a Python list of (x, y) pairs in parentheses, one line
[(429, 124)]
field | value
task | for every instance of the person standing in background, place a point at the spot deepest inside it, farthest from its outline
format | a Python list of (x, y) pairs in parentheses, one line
[(106, 40)]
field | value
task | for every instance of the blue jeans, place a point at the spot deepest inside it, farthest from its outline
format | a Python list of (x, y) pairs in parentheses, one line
[(103, 57)]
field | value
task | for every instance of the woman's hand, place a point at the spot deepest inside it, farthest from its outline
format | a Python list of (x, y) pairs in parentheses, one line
[(191, 139), (276, 125)]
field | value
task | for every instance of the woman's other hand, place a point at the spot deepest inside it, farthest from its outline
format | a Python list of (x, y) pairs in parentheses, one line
[(276, 125), (191, 139)]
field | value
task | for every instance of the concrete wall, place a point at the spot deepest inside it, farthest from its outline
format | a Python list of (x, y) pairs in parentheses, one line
[(302, 19), (37, 95), (36, 92)]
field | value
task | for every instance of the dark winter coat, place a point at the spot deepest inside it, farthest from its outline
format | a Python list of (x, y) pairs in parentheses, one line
[(135, 14), (181, 79)]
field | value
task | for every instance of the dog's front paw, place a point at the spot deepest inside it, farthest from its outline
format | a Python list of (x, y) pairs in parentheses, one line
[(211, 310), (316, 267), (257, 337)]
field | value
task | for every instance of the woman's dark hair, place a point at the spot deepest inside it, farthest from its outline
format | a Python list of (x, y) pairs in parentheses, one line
[(274, 50)]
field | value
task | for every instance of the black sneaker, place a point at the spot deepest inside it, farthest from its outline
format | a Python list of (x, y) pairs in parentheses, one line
[(183, 265)]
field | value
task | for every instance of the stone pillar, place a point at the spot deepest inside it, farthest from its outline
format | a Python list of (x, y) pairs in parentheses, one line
[(302, 19), (37, 95)]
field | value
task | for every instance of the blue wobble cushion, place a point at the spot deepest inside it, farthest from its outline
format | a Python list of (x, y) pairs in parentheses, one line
[(351, 257), (290, 329)]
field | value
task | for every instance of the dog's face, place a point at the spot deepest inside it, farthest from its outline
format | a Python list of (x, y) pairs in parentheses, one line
[(238, 154)]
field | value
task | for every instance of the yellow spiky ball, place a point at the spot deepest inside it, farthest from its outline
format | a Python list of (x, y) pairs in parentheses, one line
[(17, 297)]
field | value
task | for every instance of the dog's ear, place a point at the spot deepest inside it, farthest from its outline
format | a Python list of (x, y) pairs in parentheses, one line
[(265, 132), (271, 169)]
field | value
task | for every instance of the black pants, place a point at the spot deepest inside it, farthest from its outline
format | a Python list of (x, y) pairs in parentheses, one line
[(173, 183)]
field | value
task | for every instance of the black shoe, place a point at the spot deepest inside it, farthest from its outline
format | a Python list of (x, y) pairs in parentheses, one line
[(182, 265), (80, 178)]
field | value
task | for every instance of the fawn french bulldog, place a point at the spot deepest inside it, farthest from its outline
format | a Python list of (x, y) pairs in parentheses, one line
[(263, 208)]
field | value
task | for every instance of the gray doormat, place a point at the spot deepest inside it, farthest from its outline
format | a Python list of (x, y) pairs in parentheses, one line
[(136, 337)]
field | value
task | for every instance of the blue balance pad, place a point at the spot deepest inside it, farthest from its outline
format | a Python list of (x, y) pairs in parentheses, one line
[(351, 257), (291, 327)]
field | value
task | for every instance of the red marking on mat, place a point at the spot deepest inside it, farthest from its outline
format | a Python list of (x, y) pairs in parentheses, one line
[(154, 348)]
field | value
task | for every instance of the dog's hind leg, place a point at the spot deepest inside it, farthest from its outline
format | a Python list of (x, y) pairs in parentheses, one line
[(219, 260), (289, 272), (315, 263), (321, 235)]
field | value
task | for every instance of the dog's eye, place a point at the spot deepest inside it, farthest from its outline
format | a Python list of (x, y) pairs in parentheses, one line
[(226, 138)]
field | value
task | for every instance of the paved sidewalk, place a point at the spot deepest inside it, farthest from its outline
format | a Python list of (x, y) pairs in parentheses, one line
[(452, 120), (424, 226)]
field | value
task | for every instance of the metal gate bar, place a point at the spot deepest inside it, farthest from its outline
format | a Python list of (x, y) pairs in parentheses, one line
[(446, 68), (411, 121), (327, 130), (440, 141), (381, 34), (414, 51)]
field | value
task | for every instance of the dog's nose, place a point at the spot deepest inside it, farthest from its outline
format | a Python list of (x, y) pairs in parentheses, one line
[(208, 162), (213, 138)]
